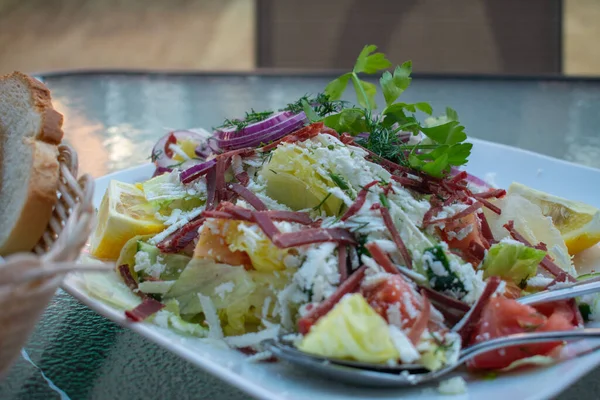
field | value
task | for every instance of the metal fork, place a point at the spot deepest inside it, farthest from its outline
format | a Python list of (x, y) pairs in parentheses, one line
[(381, 375), (410, 375)]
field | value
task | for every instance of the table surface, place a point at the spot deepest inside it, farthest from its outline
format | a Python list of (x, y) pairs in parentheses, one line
[(113, 120)]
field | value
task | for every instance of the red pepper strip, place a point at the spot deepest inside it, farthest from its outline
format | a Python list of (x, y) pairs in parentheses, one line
[(467, 324), (343, 262), (172, 139), (266, 224), (381, 258), (348, 286), (469, 210), (312, 236), (414, 335), (547, 262), (247, 195), (148, 307), (387, 219), (129, 280), (493, 193), (486, 231), (490, 206), (359, 202)]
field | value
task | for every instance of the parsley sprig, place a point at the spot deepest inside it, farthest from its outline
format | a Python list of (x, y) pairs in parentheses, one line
[(443, 145)]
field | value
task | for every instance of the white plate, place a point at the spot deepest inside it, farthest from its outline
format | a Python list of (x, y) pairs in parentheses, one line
[(281, 381)]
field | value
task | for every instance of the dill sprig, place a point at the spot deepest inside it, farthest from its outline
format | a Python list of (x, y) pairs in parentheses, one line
[(321, 104), (250, 118)]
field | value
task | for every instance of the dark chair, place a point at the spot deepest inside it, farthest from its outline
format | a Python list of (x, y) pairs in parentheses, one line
[(439, 36)]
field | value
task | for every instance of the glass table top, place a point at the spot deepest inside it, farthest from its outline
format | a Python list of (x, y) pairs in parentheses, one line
[(113, 120)]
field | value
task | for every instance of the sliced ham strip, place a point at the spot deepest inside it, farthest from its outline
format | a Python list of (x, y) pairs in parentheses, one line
[(148, 307), (266, 224), (465, 327), (217, 214), (493, 193), (387, 219), (489, 205), (312, 236), (180, 239), (300, 135), (359, 202), (547, 262), (415, 332), (247, 195), (381, 258), (486, 231), (350, 285), (469, 210), (211, 188), (129, 280)]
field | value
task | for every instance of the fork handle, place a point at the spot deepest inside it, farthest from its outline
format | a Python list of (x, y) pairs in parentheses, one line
[(564, 293), (526, 338)]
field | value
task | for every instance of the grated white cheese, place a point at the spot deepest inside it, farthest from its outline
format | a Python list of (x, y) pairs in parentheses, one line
[(319, 271), (265, 308), (539, 281), (224, 288), (215, 331), (185, 218), (408, 353), (456, 385), (253, 338)]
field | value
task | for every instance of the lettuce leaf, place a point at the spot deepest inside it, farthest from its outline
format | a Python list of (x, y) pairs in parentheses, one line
[(512, 261)]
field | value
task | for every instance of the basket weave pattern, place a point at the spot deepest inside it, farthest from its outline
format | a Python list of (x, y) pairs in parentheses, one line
[(29, 280)]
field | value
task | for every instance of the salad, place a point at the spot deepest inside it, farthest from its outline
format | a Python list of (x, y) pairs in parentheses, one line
[(348, 233)]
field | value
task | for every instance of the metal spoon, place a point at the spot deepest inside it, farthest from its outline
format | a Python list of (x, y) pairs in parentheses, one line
[(402, 375), (411, 374)]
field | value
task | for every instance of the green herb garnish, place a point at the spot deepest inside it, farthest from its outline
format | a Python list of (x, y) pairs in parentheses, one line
[(443, 145), (250, 118)]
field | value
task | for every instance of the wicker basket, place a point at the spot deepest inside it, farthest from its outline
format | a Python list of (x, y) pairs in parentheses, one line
[(29, 280)]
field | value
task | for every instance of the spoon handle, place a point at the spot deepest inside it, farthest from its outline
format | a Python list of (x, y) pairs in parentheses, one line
[(562, 293)]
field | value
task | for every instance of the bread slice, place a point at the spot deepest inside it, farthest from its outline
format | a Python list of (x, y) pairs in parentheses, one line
[(30, 130)]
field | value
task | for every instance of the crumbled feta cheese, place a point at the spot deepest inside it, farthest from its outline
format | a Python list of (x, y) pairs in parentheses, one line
[(394, 316), (319, 271), (143, 263), (456, 385)]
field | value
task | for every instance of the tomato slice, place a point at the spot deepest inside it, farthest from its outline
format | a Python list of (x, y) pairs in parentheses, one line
[(473, 236), (502, 317), (394, 290)]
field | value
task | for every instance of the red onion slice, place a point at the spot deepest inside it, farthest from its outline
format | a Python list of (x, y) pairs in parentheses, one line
[(231, 133), (263, 136)]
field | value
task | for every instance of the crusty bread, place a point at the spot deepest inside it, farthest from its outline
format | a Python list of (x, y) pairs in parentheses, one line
[(30, 130)]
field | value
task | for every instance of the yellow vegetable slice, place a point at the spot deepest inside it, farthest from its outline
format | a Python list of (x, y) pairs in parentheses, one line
[(123, 214), (351, 330), (578, 223)]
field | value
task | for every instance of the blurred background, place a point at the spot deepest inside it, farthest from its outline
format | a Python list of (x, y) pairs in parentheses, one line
[(460, 36)]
